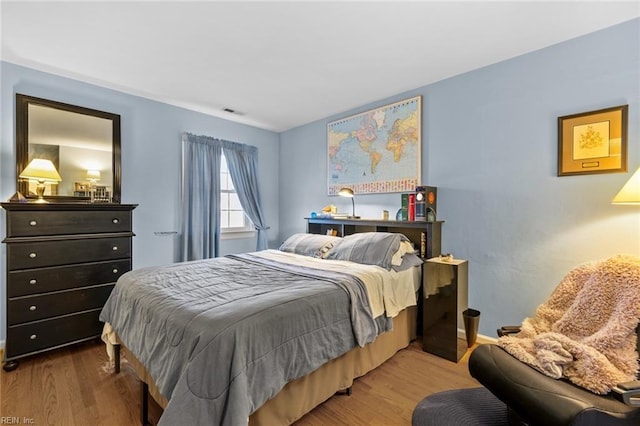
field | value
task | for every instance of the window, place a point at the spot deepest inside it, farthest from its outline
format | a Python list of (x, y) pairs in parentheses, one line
[(232, 217)]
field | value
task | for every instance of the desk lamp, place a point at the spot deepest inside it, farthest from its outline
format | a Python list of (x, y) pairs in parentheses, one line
[(348, 192), (93, 176)]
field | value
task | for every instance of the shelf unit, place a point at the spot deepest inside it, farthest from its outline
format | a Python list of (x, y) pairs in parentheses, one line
[(427, 233)]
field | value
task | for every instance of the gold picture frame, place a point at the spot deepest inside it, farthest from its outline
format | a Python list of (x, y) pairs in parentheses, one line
[(593, 142)]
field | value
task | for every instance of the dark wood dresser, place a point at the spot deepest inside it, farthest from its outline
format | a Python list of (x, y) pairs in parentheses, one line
[(63, 259)]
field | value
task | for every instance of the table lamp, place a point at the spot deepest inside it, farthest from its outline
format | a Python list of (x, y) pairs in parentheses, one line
[(93, 176), (348, 192), (42, 171), (630, 192)]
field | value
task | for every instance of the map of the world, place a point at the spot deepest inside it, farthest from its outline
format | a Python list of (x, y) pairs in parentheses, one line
[(377, 150)]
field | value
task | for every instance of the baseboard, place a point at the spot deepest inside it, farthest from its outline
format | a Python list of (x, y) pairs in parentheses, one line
[(1, 350), (481, 338)]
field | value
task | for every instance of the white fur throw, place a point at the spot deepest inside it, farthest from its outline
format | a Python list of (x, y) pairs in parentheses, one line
[(585, 331)]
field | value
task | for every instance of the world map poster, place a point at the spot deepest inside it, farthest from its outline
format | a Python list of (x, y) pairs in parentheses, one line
[(376, 151)]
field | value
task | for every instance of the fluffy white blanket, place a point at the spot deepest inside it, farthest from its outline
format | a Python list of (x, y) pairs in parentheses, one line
[(585, 331)]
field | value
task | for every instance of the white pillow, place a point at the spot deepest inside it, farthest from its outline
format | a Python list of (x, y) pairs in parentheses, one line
[(405, 247)]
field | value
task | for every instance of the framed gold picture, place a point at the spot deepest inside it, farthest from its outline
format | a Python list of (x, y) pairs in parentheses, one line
[(593, 142), (81, 186)]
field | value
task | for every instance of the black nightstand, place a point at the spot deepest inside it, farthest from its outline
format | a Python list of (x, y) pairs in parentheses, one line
[(445, 290)]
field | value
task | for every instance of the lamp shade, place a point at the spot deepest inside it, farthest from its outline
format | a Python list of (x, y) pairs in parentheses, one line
[(630, 192), (41, 170), (93, 175), (346, 192)]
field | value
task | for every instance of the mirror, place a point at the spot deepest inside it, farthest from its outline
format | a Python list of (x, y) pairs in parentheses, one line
[(83, 144)]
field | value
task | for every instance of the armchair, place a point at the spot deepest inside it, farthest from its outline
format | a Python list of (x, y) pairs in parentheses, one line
[(535, 399), (582, 339), (582, 335)]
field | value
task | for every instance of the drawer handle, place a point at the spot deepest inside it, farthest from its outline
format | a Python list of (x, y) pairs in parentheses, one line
[(33, 223), (33, 337), (115, 270), (114, 248), (32, 308), (32, 255), (32, 282), (115, 220)]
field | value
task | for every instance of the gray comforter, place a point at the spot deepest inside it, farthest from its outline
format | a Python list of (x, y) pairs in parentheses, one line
[(222, 336)]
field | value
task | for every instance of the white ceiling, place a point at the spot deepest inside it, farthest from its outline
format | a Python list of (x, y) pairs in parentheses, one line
[(284, 64)]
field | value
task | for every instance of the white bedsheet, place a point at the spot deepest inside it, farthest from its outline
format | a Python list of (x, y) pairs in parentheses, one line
[(389, 292)]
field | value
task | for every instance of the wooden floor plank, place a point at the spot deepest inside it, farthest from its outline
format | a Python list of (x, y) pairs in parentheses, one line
[(76, 386)]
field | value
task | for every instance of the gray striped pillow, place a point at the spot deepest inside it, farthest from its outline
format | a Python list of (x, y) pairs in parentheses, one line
[(314, 245)]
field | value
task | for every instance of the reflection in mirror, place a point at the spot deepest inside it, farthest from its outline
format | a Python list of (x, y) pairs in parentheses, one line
[(76, 144), (82, 144)]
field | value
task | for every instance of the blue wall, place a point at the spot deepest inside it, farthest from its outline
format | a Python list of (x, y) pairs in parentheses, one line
[(151, 158), (489, 144)]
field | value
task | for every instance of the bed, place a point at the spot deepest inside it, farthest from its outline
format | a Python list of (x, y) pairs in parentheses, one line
[(264, 337)]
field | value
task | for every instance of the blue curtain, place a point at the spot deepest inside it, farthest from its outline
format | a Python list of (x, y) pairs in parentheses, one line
[(242, 161), (200, 230)]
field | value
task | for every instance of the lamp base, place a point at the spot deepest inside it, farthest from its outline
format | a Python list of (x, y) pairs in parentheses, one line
[(353, 217), (40, 193)]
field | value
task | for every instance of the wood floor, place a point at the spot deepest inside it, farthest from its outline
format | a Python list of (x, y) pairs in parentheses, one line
[(76, 386)]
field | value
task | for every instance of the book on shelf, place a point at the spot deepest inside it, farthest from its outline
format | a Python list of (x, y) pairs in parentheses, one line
[(420, 213), (404, 206), (339, 215), (333, 216), (411, 208)]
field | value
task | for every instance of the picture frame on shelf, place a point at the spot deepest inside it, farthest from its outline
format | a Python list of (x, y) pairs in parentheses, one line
[(593, 142)]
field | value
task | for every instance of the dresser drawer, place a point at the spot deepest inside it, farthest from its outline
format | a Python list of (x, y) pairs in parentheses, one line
[(52, 253), (32, 308), (40, 223), (33, 281), (36, 336)]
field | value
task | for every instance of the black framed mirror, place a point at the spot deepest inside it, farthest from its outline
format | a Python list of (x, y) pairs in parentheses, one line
[(82, 145)]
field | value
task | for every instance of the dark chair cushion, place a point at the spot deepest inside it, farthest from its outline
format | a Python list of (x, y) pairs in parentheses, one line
[(468, 407), (539, 399)]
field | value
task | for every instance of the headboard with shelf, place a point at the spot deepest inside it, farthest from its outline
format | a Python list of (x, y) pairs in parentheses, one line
[(417, 232)]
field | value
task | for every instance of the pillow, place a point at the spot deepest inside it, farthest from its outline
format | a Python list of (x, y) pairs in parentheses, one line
[(371, 248), (314, 245), (409, 260)]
